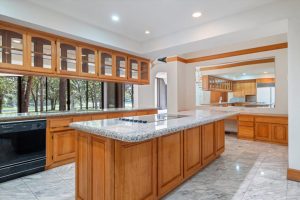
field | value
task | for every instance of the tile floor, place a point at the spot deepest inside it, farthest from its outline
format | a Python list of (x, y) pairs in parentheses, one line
[(247, 170)]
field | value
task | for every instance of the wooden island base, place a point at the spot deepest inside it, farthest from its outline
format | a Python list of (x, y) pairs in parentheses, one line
[(109, 169)]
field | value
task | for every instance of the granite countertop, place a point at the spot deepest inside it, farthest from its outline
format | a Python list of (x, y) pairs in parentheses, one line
[(44, 115), (136, 132)]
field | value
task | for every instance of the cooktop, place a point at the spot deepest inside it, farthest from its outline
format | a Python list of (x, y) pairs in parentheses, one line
[(151, 118)]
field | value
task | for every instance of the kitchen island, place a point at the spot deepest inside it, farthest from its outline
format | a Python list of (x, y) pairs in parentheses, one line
[(145, 157)]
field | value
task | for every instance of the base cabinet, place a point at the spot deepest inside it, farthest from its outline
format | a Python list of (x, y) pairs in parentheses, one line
[(135, 170), (220, 137), (279, 133), (108, 169), (192, 151), (263, 131), (61, 139), (208, 143), (170, 162), (64, 144)]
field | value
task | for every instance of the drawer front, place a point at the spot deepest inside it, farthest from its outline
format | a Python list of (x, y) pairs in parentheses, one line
[(246, 132), (273, 120), (246, 118), (59, 123), (242, 123)]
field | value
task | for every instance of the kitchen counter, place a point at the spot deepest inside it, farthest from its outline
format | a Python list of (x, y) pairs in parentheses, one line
[(137, 132), (118, 159), (44, 115)]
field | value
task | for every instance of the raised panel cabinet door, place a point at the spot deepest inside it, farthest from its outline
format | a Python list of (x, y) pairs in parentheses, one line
[(246, 132), (136, 170), (280, 133), (170, 162), (83, 183), (263, 131), (64, 144), (208, 143), (192, 151), (220, 137)]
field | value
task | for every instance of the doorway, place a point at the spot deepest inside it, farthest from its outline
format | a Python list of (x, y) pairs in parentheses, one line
[(161, 91)]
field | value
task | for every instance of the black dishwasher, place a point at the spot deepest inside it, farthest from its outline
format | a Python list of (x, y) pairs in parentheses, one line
[(22, 148)]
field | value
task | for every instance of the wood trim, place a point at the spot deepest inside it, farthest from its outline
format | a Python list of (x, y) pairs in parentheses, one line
[(230, 54), (177, 59), (238, 64), (293, 174)]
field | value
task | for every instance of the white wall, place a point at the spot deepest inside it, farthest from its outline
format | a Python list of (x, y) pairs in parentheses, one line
[(294, 92), (181, 87), (145, 94)]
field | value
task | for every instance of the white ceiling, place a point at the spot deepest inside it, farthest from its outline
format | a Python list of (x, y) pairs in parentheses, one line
[(161, 17)]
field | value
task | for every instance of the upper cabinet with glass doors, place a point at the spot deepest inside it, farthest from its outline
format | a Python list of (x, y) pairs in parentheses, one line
[(133, 69), (12, 45), (42, 50), (144, 71), (67, 54), (121, 66), (26, 51), (106, 65), (88, 58)]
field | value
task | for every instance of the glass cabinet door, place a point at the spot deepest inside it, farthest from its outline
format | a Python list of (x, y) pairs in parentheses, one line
[(133, 69), (11, 47), (144, 71), (88, 61), (106, 64), (68, 58), (121, 66), (41, 53)]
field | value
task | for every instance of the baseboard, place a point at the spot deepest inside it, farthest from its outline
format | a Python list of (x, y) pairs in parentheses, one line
[(293, 175)]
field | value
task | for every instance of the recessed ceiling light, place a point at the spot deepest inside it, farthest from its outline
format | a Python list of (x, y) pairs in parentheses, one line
[(244, 74), (197, 14), (115, 18), (265, 72), (147, 32)]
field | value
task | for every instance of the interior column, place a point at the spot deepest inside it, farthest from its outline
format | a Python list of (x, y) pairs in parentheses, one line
[(294, 97)]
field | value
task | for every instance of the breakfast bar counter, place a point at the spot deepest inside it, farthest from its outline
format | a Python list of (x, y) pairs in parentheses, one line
[(145, 157)]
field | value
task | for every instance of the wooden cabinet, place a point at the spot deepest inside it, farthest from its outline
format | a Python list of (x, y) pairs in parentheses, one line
[(60, 138), (42, 53), (67, 61), (88, 62), (110, 169), (12, 49), (211, 83), (246, 127), (63, 145), (136, 170), (28, 52), (192, 151), (94, 153), (272, 128), (243, 88), (107, 66), (145, 71), (170, 162), (263, 131), (279, 133), (208, 143), (121, 66), (133, 69), (220, 137)]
